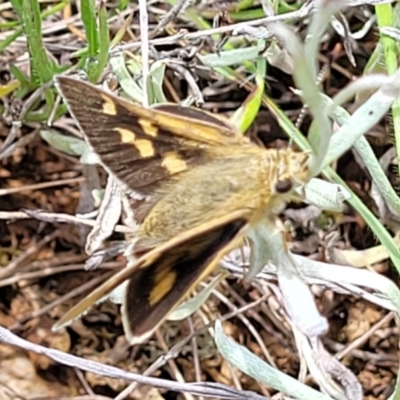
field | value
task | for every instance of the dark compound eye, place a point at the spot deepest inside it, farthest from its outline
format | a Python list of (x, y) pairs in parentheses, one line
[(5, 76), (283, 186)]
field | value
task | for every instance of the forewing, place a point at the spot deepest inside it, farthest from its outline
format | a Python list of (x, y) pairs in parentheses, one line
[(192, 258), (143, 146)]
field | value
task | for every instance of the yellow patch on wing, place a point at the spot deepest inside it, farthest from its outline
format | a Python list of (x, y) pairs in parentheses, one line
[(149, 128), (163, 283), (144, 147), (172, 163), (127, 136), (109, 106)]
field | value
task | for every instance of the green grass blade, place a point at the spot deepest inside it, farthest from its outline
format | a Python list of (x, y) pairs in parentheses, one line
[(245, 115), (29, 14), (104, 37), (385, 18), (88, 13)]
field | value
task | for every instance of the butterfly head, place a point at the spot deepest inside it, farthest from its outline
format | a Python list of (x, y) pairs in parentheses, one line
[(292, 170)]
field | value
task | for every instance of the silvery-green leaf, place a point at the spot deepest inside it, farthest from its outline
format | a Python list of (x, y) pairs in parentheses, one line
[(89, 157), (326, 195), (107, 218), (250, 364), (187, 308), (67, 144), (363, 119), (155, 82), (367, 155), (128, 84), (280, 58), (231, 57), (270, 246)]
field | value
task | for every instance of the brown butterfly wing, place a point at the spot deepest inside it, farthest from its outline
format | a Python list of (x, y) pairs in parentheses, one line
[(154, 291), (141, 146), (193, 254)]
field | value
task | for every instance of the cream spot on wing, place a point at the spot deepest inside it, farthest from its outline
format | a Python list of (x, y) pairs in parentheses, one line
[(149, 128), (109, 106), (145, 147), (126, 135), (172, 163), (163, 285)]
